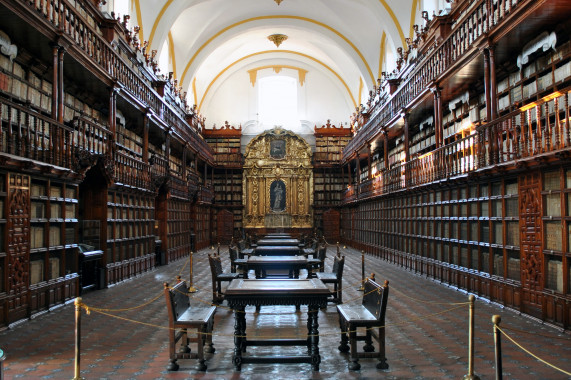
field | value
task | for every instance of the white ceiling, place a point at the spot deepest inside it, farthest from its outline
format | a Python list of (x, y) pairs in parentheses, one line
[(342, 38)]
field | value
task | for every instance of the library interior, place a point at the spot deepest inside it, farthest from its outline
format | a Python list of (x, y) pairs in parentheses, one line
[(266, 147)]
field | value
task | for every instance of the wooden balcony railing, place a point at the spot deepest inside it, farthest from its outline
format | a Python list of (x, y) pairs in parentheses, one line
[(474, 24), (537, 131), (178, 187), (159, 166), (28, 134), (131, 171), (90, 136), (65, 17)]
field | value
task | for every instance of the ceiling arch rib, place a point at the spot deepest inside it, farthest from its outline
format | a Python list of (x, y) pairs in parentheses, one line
[(244, 62), (215, 41)]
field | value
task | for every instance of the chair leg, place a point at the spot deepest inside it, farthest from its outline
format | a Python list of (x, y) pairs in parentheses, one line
[(173, 365), (368, 347), (354, 365), (184, 347), (343, 346), (382, 364), (201, 362), (209, 345)]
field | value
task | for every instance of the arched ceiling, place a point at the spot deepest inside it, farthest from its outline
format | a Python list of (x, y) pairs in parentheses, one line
[(346, 40)]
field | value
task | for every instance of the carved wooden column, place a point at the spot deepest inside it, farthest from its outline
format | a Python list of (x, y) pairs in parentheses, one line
[(386, 149), (438, 132), (61, 54), (406, 147), (358, 168), (146, 137), (370, 174), (493, 84), (487, 88), (112, 117), (55, 74)]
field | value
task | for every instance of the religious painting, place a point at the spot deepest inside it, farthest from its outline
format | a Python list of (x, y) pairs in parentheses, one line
[(278, 148), (277, 196)]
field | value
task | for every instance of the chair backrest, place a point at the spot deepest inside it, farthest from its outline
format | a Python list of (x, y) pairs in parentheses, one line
[(233, 251), (375, 298), (338, 264), (177, 300), (215, 265), (322, 252), (241, 244)]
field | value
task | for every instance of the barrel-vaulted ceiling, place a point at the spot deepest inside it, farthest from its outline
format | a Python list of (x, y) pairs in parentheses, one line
[(206, 41)]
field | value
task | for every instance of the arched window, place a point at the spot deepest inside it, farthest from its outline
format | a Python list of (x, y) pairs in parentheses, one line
[(277, 101)]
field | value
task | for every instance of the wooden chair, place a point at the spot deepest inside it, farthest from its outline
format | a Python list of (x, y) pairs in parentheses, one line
[(370, 315), (183, 316), (334, 277), (217, 277), (235, 261), (317, 263)]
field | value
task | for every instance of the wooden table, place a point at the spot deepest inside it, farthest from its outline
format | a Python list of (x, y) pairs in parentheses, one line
[(261, 264), (277, 250), (280, 242), (243, 292)]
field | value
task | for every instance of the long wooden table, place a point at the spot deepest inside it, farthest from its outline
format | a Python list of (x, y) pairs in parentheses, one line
[(244, 292), (278, 242), (262, 264), (277, 250)]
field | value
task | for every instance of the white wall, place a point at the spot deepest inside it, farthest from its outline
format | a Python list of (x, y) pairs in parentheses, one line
[(235, 100)]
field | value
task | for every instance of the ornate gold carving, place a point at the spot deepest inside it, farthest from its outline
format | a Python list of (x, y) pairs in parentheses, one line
[(291, 167), (277, 38), (278, 2)]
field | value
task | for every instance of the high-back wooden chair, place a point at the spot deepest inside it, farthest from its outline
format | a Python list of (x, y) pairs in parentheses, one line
[(218, 276), (334, 277)]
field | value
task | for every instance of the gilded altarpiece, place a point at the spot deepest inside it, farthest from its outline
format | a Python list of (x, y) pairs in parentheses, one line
[(278, 181)]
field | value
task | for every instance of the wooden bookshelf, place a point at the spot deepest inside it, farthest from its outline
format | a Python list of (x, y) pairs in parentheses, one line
[(556, 195), (329, 143), (179, 228), (130, 227), (53, 229), (3, 259), (545, 74)]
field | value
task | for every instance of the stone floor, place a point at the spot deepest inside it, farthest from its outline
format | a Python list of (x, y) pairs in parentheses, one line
[(426, 334)]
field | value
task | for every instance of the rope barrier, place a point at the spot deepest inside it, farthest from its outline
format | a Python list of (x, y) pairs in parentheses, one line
[(532, 354), (535, 334)]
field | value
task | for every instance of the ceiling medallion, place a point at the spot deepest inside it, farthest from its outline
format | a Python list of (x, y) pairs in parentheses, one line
[(277, 39), (278, 2)]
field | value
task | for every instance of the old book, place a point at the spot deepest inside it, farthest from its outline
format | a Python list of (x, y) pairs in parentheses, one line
[(36, 271), (553, 236), (555, 275), (54, 267), (512, 233), (55, 235)]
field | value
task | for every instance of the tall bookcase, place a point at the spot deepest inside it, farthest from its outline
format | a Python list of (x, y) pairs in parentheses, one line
[(130, 225), (3, 263), (53, 229), (179, 227), (329, 143)]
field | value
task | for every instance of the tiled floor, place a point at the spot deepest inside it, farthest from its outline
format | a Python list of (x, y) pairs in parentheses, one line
[(427, 334)]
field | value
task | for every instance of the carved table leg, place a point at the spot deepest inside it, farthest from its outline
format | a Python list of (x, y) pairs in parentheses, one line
[(239, 314), (343, 346), (313, 323)]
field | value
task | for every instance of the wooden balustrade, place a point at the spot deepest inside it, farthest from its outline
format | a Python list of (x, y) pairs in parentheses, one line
[(178, 187), (159, 166), (131, 171), (537, 130), (90, 136), (28, 134), (467, 30), (65, 17)]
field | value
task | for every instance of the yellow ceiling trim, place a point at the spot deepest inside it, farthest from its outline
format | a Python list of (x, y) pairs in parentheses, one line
[(360, 90), (268, 52), (382, 53), (171, 53), (139, 19), (277, 17), (277, 68), (395, 20), (412, 17), (157, 20), (194, 90)]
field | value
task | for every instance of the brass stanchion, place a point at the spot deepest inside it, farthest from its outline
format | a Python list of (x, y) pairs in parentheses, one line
[(362, 287), (496, 319), (191, 288), (78, 302), (470, 375)]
